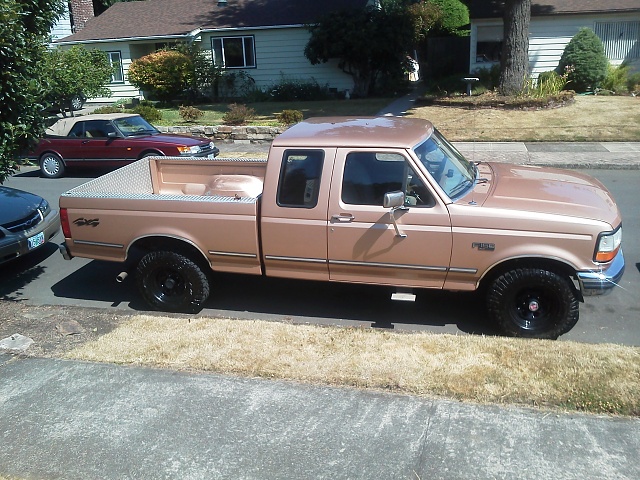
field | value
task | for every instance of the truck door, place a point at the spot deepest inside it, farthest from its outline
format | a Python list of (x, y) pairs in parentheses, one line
[(363, 245), (294, 212)]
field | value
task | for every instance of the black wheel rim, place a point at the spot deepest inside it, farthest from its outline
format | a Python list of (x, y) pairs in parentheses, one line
[(169, 287), (536, 309)]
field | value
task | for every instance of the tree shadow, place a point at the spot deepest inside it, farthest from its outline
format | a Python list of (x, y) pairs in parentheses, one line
[(17, 273)]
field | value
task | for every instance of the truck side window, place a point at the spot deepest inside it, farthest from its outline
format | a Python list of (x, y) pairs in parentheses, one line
[(368, 176), (300, 178)]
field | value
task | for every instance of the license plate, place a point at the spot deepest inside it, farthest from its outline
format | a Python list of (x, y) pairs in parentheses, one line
[(211, 155), (36, 241)]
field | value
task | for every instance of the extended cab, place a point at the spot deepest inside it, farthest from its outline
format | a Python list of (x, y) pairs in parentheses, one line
[(381, 200)]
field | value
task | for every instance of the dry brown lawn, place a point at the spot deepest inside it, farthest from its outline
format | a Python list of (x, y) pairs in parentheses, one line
[(574, 376), (589, 119)]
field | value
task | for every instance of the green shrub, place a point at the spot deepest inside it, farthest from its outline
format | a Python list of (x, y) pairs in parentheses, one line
[(189, 113), (584, 62), (164, 74), (289, 117), (633, 83), (108, 109), (617, 79), (288, 90), (149, 113), (238, 114), (548, 83)]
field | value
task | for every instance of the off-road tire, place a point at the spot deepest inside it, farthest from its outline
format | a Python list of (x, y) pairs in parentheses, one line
[(172, 282), (51, 165), (533, 303)]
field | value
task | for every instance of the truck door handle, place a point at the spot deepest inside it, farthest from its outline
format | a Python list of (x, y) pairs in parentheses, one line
[(342, 217)]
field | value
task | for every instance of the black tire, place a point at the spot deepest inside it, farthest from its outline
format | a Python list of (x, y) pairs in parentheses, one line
[(171, 282), (533, 303), (51, 165), (76, 102)]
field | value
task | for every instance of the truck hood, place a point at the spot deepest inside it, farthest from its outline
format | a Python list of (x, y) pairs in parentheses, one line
[(552, 191)]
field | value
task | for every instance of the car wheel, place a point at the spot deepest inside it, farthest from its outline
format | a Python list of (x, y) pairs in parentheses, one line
[(76, 102), (533, 303), (171, 282), (51, 165)]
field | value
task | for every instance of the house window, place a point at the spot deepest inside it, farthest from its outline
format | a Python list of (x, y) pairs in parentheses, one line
[(621, 40), (115, 59), (489, 43), (234, 52)]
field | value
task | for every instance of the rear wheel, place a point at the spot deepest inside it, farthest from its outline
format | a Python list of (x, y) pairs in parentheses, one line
[(51, 165), (533, 303), (172, 282)]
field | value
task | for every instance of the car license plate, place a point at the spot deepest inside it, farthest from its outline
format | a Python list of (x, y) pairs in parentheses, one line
[(211, 155), (36, 241)]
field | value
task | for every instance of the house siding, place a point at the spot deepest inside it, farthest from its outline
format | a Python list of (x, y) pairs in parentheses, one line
[(280, 54), (62, 27), (548, 37)]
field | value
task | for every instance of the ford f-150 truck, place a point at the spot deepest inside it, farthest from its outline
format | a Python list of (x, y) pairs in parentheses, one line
[(380, 200)]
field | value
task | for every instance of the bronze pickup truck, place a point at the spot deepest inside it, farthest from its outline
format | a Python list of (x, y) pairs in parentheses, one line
[(380, 200)]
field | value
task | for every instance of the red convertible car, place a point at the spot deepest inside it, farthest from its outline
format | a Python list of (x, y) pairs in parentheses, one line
[(110, 140)]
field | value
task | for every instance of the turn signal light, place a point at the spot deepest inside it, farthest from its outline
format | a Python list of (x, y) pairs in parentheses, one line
[(608, 246)]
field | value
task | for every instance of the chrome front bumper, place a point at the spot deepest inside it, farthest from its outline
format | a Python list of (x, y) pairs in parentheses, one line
[(600, 282)]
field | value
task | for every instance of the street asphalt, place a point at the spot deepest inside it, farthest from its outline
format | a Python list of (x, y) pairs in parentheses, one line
[(76, 420)]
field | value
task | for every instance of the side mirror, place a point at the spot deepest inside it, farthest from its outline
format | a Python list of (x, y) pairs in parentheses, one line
[(112, 135), (393, 200)]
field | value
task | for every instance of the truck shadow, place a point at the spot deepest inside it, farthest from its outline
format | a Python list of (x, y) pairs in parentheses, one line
[(249, 297), (319, 302)]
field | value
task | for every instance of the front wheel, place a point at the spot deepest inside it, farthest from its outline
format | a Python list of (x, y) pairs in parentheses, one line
[(171, 282), (533, 303), (51, 165)]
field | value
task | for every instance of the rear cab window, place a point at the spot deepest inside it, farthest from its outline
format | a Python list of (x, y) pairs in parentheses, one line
[(299, 182)]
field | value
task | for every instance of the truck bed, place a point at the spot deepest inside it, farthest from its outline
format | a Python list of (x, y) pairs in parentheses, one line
[(216, 180), (199, 200)]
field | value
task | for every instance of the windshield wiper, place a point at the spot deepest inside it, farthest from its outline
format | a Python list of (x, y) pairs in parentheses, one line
[(460, 187)]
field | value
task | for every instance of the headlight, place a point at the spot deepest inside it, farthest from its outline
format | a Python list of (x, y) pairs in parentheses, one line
[(189, 150), (608, 245), (212, 145), (44, 208)]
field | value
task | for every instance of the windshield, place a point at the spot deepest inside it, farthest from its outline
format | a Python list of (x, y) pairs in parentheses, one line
[(137, 125), (454, 173)]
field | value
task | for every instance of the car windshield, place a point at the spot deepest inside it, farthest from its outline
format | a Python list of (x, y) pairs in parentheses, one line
[(454, 173), (130, 126)]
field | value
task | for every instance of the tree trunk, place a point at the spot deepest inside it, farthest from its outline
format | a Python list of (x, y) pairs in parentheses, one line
[(514, 67)]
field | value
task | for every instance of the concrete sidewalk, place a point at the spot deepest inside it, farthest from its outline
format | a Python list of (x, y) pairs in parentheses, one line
[(76, 420)]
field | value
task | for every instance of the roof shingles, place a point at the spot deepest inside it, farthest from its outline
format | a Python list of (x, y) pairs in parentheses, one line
[(166, 18)]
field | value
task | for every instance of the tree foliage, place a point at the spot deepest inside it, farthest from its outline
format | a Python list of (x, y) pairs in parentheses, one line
[(372, 42), (77, 70), (205, 75), (24, 34), (165, 73), (584, 61), (514, 66), (453, 18)]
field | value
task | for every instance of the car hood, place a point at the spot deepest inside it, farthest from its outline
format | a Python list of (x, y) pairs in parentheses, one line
[(16, 204), (550, 190), (172, 139)]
